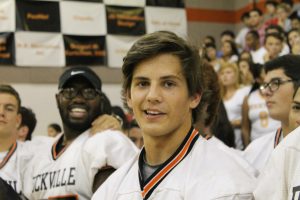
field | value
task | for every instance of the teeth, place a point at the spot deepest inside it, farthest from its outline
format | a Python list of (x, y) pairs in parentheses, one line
[(78, 110), (152, 112)]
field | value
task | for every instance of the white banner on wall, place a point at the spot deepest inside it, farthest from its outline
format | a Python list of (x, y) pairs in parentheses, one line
[(174, 19), (117, 48), (82, 18), (7, 16), (39, 49), (137, 3)]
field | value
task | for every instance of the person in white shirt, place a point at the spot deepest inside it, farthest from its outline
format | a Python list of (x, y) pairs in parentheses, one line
[(162, 85), (283, 168), (278, 89)]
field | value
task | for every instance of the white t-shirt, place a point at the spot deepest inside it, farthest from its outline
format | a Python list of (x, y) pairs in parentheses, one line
[(261, 122), (233, 108)]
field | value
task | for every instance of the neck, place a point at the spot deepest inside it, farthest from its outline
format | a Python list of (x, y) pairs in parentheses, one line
[(160, 149), (6, 143), (70, 135), (285, 129)]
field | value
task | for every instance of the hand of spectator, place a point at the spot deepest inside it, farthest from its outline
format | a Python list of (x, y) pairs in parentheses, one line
[(105, 122)]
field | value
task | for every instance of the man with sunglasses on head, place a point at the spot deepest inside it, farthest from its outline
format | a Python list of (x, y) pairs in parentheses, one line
[(278, 88), (77, 163)]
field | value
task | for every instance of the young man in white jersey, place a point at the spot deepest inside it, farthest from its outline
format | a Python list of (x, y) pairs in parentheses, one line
[(77, 163), (278, 89), (163, 83), (10, 150), (282, 171)]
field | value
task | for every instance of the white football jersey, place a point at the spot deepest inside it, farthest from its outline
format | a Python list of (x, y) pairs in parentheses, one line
[(280, 179), (197, 170), (70, 172), (261, 122), (259, 151), (11, 166)]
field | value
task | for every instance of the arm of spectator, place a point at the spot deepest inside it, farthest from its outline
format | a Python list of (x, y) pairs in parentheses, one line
[(246, 127), (105, 122)]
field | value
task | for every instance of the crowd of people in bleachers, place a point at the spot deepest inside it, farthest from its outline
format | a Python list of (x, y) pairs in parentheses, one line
[(238, 62)]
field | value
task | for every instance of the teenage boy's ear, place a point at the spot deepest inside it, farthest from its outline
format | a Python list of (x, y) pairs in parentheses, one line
[(195, 100)]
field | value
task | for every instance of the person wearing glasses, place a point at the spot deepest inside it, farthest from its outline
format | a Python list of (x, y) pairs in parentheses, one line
[(77, 162), (278, 88), (284, 165)]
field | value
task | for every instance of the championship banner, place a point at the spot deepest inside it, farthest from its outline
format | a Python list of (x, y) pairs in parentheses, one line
[(174, 20), (85, 50), (136, 3), (7, 48), (117, 48), (166, 3), (7, 16), (125, 20), (38, 16), (39, 49), (78, 18)]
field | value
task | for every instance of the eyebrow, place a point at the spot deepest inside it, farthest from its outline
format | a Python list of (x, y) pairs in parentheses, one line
[(162, 78)]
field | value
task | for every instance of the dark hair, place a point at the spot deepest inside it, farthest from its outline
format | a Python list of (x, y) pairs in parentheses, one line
[(288, 63), (271, 2), (55, 126), (278, 28), (256, 10), (254, 33), (7, 89), (222, 128), (29, 120), (211, 38), (211, 95), (228, 32), (164, 42), (245, 15), (256, 70), (278, 36), (233, 46)]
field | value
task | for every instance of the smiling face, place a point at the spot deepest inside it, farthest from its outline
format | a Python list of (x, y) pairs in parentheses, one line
[(294, 117), (159, 97), (78, 113), (10, 119), (279, 101)]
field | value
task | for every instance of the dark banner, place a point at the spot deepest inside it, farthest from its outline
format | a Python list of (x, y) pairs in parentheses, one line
[(166, 3), (38, 16), (125, 20), (85, 50), (7, 48), (97, 1)]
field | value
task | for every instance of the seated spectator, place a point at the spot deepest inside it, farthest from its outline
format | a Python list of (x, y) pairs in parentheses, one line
[(28, 124), (53, 129)]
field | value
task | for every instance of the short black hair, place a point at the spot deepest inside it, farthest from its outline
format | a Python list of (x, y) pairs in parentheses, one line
[(29, 120), (55, 126), (256, 10), (288, 63), (228, 32)]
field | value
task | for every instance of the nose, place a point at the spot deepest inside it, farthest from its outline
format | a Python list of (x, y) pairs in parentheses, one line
[(1, 110), (154, 93)]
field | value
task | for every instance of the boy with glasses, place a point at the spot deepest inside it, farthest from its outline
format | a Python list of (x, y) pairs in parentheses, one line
[(75, 165), (278, 89), (283, 169)]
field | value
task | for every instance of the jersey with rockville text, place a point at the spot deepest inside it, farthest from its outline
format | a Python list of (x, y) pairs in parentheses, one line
[(197, 170), (69, 173)]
